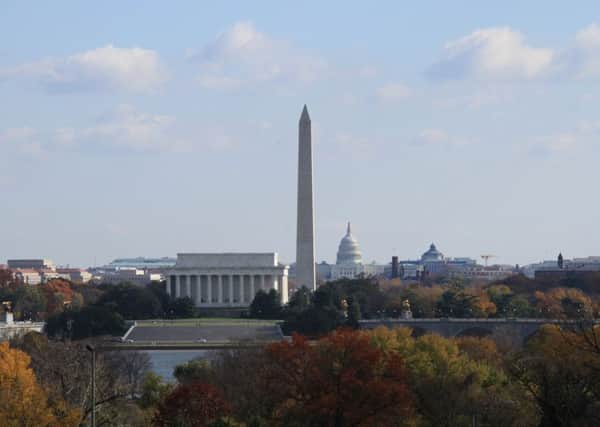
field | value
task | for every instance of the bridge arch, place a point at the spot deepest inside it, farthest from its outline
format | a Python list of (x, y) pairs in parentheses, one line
[(475, 331), (419, 332)]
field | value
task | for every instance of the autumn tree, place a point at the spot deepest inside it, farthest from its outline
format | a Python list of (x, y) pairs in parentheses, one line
[(63, 369), (564, 303), (562, 377), (58, 294), (453, 386), (23, 402), (8, 279), (342, 380), (191, 405)]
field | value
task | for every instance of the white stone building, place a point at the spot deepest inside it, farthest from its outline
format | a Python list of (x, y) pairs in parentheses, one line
[(28, 276), (349, 262), (226, 279)]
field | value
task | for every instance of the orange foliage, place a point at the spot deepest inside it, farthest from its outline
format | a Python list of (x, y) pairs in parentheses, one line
[(551, 303), (341, 380), (480, 349), (58, 291), (22, 401)]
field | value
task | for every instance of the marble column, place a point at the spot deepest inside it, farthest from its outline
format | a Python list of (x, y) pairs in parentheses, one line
[(231, 289), (284, 289), (262, 282), (170, 280), (198, 298), (220, 285), (242, 298), (252, 292), (275, 282), (209, 283), (188, 286), (177, 285)]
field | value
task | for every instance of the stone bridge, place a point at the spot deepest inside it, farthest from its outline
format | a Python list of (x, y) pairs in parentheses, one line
[(512, 330)]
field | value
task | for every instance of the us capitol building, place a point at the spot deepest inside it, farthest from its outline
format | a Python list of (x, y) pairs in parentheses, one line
[(349, 262)]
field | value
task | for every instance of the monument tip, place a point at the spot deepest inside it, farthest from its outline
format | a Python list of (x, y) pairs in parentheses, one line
[(304, 116)]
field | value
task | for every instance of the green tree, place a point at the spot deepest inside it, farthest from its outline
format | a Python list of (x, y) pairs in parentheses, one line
[(300, 300), (456, 303), (88, 322), (183, 307), (193, 371), (159, 290), (314, 321), (354, 313), (154, 390), (131, 301), (266, 305), (29, 301)]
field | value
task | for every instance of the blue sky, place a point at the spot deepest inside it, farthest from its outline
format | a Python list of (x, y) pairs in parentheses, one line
[(151, 128)]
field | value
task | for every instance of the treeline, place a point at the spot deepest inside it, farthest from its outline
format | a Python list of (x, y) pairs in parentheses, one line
[(378, 377), (345, 302), (76, 311), (387, 377), (112, 305)]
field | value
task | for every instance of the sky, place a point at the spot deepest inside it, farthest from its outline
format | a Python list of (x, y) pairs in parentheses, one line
[(151, 128)]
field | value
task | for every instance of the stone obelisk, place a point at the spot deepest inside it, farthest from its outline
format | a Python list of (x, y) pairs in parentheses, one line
[(305, 232)]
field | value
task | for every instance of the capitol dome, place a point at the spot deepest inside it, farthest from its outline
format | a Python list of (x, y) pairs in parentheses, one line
[(432, 255), (349, 251)]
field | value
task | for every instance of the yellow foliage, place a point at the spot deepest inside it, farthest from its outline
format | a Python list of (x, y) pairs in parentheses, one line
[(550, 302), (23, 402)]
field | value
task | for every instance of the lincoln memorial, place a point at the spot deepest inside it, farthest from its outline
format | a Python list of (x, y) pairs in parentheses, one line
[(227, 279)]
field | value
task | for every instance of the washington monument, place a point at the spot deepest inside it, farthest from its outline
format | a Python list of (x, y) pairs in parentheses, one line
[(305, 237)]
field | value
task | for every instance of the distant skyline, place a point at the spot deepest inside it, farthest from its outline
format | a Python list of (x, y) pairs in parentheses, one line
[(147, 129)]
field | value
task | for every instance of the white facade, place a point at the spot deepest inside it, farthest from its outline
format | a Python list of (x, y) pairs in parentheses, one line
[(28, 276), (227, 279), (339, 271)]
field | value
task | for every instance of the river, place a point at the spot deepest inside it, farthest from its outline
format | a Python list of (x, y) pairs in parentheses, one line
[(164, 361)]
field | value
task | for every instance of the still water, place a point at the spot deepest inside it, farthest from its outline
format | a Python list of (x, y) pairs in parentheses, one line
[(164, 361)]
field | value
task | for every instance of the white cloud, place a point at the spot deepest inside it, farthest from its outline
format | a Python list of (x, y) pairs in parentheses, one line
[(126, 127), (589, 37), (586, 55), (497, 52), (393, 92), (243, 55), (104, 68), (439, 137)]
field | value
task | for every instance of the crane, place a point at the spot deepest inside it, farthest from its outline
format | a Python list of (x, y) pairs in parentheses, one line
[(486, 258)]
